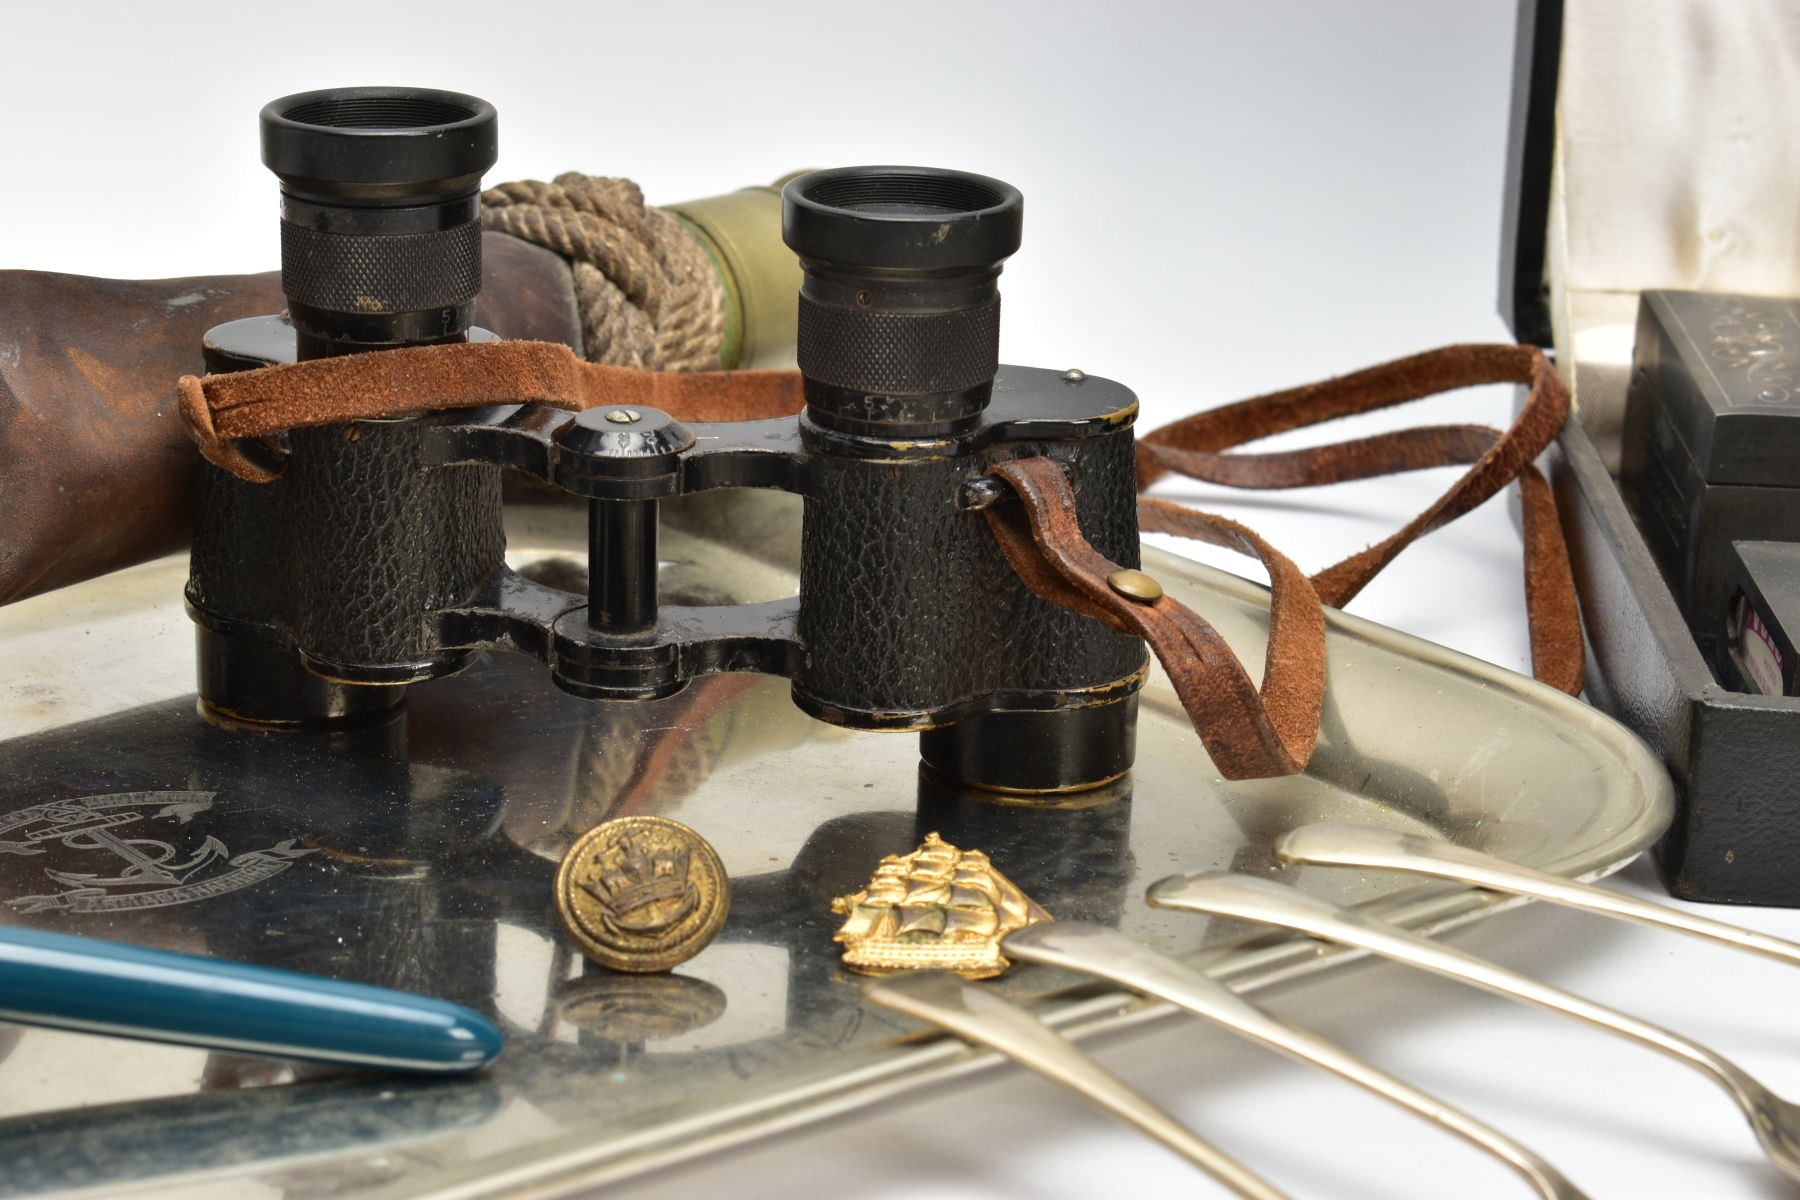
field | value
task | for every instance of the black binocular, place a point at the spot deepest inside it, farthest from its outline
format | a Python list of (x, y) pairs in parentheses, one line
[(376, 559)]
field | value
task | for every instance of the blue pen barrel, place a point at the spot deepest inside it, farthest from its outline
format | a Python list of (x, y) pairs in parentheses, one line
[(68, 982)]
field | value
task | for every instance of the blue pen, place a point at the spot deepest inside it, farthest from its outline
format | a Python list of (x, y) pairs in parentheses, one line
[(81, 983)]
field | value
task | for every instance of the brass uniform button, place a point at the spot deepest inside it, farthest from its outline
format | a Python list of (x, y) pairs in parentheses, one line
[(1135, 585), (642, 894)]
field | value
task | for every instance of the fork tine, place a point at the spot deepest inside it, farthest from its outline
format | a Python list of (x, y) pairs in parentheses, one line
[(1110, 955), (979, 1016), (1774, 1120), (1333, 843)]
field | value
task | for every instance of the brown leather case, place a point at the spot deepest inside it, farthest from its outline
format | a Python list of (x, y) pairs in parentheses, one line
[(96, 468)]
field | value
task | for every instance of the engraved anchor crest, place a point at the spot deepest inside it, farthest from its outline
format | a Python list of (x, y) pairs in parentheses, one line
[(147, 860), (154, 872)]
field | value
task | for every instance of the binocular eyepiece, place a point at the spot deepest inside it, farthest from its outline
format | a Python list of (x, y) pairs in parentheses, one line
[(380, 229), (899, 333)]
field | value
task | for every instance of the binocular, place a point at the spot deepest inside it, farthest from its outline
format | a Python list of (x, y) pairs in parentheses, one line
[(376, 559)]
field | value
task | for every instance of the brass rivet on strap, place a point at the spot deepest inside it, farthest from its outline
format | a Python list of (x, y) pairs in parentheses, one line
[(622, 416), (1135, 585), (1074, 375)]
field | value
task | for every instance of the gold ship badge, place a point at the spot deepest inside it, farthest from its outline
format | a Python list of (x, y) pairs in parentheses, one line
[(936, 909)]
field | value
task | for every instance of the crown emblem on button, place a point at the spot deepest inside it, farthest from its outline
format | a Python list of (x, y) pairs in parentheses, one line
[(642, 894), (643, 891)]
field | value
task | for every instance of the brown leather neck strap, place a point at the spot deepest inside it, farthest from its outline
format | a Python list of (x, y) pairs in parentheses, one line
[(1191, 447), (1250, 735), (223, 409)]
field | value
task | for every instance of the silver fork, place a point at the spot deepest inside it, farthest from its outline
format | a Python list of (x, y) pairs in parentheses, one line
[(1332, 843), (1110, 955), (1775, 1121), (981, 1017)]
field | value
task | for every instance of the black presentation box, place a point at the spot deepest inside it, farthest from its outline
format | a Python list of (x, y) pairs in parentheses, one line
[(1735, 755), (1711, 449)]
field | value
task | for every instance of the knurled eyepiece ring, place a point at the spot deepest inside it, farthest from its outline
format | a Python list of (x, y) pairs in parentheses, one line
[(379, 145), (913, 219)]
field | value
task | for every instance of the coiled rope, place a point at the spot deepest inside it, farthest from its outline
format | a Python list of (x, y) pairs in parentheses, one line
[(646, 291)]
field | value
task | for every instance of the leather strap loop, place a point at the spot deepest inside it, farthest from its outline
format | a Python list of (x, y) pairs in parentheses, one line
[(1192, 447), (1250, 734), (223, 409)]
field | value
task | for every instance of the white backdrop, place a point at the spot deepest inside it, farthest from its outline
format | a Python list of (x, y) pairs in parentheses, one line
[(1222, 199)]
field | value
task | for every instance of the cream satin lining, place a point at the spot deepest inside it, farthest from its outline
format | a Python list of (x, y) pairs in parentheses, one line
[(1678, 166)]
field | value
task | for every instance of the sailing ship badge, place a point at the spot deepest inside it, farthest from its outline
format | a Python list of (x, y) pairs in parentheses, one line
[(936, 909)]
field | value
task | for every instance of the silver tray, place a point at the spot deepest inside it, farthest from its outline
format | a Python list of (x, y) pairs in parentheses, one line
[(420, 856)]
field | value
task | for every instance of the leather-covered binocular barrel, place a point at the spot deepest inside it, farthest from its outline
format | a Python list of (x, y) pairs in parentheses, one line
[(909, 613), (380, 248)]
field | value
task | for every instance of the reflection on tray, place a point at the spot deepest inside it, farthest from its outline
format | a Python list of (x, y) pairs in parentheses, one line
[(420, 855)]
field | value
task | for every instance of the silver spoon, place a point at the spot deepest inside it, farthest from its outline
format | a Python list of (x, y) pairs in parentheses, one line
[(981, 1017), (1331, 843), (1110, 955), (1776, 1121)]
